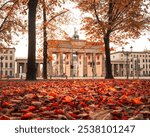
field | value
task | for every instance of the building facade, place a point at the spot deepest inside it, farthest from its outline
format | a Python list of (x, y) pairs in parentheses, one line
[(7, 64), (134, 64)]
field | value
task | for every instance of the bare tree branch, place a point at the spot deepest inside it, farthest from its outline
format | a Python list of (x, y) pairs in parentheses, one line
[(4, 21)]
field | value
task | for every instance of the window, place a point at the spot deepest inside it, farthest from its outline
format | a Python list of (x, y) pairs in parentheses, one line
[(6, 58), (6, 65), (143, 66), (10, 65), (10, 73), (6, 73), (97, 57), (143, 60), (10, 57), (11, 52)]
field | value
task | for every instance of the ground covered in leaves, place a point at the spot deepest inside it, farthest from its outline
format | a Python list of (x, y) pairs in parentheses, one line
[(75, 99)]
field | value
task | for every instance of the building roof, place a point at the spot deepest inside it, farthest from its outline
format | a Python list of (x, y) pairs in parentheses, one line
[(138, 52)]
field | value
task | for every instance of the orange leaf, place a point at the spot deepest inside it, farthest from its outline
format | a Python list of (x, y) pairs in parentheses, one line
[(68, 99), (53, 94), (137, 101)]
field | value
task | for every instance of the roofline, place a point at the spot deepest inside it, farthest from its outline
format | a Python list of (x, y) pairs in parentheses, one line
[(130, 52)]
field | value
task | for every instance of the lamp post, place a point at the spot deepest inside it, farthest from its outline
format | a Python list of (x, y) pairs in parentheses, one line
[(127, 53), (1, 58)]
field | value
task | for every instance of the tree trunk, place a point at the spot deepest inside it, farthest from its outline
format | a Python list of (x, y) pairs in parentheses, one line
[(31, 66), (44, 44), (108, 66)]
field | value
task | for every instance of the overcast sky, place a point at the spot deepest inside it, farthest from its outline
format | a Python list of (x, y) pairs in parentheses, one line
[(138, 45)]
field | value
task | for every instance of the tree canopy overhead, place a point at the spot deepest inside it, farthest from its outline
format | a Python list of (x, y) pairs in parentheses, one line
[(114, 21), (11, 23), (123, 18)]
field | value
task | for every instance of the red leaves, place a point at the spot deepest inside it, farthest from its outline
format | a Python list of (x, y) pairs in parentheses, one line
[(4, 117), (27, 116), (31, 108), (6, 104), (75, 99), (59, 111)]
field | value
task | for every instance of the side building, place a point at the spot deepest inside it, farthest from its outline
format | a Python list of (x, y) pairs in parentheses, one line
[(133, 64), (7, 62)]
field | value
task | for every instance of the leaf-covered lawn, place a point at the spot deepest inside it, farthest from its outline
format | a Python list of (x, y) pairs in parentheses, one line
[(75, 99)]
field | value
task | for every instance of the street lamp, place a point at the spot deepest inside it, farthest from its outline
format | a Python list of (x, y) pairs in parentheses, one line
[(127, 53), (1, 58)]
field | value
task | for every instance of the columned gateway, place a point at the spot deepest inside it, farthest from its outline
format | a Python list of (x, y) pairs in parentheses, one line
[(75, 58)]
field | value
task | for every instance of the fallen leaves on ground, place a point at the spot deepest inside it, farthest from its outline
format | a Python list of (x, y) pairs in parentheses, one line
[(75, 99)]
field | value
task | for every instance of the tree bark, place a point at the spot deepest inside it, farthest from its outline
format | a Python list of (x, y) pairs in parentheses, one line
[(44, 44), (108, 66), (31, 66)]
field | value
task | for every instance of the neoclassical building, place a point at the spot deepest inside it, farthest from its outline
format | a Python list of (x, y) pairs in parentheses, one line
[(136, 63), (7, 62), (75, 58)]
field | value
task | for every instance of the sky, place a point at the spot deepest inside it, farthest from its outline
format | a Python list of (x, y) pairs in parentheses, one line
[(138, 45)]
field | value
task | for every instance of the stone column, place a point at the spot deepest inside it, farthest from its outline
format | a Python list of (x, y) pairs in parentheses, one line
[(99, 64), (113, 69), (84, 64), (71, 65), (89, 64), (80, 64), (67, 64), (50, 67), (18, 69), (94, 64), (119, 71), (61, 63), (38, 70)]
